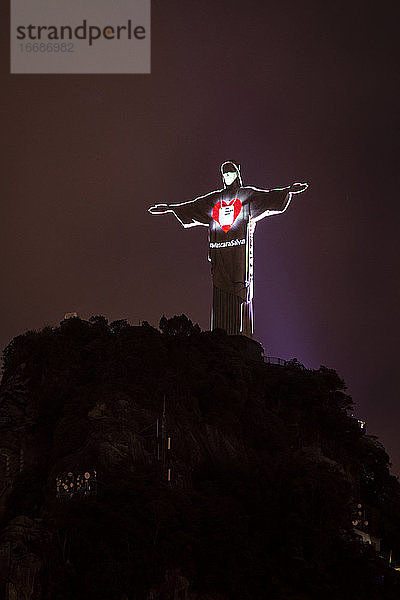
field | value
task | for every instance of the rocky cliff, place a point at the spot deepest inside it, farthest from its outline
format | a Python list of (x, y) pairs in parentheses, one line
[(176, 464)]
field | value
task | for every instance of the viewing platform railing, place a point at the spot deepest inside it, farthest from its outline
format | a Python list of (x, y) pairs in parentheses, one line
[(273, 360), (292, 364)]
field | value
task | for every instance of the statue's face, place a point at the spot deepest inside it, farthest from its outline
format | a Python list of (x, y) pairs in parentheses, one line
[(229, 177)]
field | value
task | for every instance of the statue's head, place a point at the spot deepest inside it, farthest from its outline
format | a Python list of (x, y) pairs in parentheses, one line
[(230, 172)]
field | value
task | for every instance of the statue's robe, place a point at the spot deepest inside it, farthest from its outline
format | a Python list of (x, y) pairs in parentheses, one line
[(231, 215)]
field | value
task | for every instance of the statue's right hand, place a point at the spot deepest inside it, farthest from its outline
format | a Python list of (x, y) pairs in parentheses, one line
[(159, 209)]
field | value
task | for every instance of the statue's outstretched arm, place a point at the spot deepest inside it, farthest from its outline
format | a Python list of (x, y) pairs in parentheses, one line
[(191, 213), (265, 203), (186, 215)]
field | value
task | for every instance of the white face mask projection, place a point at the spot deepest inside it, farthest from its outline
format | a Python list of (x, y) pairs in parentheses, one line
[(231, 214), (229, 177)]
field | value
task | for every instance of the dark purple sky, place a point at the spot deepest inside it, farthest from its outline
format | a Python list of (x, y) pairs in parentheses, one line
[(294, 92)]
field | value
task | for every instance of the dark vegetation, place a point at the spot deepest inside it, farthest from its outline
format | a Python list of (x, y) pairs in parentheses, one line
[(266, 467)]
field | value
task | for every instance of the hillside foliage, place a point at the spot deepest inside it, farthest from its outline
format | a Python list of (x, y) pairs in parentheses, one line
[(218, 477)]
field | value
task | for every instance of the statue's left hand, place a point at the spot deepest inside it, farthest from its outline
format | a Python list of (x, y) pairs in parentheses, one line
[(296, 188)]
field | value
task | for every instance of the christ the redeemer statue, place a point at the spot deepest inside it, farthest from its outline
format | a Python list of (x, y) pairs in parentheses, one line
[(231, 215)]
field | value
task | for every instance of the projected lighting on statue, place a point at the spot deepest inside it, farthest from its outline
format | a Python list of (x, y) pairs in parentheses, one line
[(231, 214)]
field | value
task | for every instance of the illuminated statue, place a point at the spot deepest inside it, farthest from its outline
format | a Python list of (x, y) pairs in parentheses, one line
[(231, 215)]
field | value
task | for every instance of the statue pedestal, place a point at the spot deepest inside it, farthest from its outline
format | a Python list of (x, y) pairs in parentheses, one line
[(248, 348)]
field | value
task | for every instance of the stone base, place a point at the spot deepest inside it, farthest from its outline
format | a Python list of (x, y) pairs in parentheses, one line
[(248, 348)]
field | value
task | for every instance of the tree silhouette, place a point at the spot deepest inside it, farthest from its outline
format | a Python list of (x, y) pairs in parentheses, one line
[(178, 326)]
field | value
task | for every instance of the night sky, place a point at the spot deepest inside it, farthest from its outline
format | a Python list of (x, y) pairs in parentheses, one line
[(293, 92)]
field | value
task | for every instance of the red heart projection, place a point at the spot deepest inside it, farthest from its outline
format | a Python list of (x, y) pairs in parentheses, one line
[(226, 213)]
